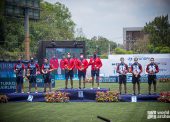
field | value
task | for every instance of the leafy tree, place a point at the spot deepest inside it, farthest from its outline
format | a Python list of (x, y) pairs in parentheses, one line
[(159, 33), (55, 23), (141, 45)]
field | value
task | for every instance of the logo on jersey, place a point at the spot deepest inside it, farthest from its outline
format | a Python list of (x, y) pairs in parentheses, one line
[(122, 68), (152, 68), (136, 69)]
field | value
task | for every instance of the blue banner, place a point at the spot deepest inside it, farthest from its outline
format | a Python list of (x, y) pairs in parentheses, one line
[(7, 85)]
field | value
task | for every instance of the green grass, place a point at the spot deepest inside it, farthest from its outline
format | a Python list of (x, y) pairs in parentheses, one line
[(84, 112)]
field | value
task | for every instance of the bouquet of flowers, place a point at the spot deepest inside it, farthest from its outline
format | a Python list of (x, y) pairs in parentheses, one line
[(57, 97), (109, 96), (164, 97), (3, 99), (163, 80)]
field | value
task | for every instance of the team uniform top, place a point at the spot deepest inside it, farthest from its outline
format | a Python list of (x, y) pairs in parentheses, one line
[(62, 64), (81, 64), (95, 63), (75, 61), (54, 62), (69, 64), (136, 68), (47, 67), (19, 67), (152, 69), (122, 68), (33, 67)]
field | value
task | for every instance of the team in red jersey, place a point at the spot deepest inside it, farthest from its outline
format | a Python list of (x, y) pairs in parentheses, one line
[(96, 64), (122, 69), (81, 65), (136, 70), (152, 68)]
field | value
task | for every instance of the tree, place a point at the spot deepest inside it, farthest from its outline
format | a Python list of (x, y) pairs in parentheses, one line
[(141, 45), (55, 23), (100, 44), (159, 32)]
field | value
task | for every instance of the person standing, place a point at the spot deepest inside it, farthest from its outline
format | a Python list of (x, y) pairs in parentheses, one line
[(46, 71), (54, 62), (62, 64), (96, 64), (81, 65), (122, 69), (136, 70), (69, 66), (152, 68), (32, 70), (19, 70)]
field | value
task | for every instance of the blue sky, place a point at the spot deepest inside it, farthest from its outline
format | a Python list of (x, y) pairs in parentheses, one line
[(108, 17)]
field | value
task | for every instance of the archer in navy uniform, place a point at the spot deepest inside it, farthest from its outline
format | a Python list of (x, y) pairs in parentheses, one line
[(46, 70), (32, 69), (122, 69), (19, 70), (152, 69), (136, 70)]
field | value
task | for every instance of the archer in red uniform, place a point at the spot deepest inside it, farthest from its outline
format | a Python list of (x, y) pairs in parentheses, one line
[(68, 67), (152, 69), (81, 65), (62, 64), (96, 64), (54, 62)]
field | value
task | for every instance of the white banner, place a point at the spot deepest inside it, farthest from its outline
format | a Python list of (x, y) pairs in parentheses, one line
[(109, 65)]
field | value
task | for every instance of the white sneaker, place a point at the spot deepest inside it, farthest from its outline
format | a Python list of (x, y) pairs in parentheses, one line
[(22, 92), (15, 92), (98, 87), (91, 88), (36, 92), (28, 92)]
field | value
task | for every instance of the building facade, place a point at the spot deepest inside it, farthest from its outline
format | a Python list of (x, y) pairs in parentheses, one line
[(131, 35)]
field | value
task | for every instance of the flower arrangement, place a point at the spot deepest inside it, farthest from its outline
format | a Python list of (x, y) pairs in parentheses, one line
[(57, 97), (164, 97), (109, 96), (163, 80), (3, 99)]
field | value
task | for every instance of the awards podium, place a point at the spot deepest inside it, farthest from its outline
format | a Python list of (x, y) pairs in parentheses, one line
[(80, 95)]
